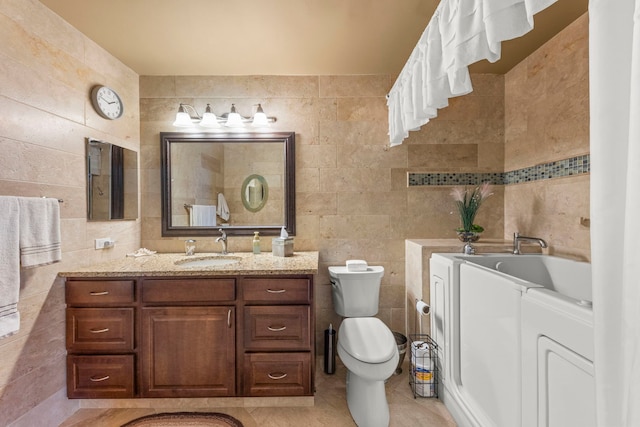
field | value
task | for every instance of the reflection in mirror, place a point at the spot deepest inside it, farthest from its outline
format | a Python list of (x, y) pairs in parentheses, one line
[(242, 182), (254, 193), (112, 182)]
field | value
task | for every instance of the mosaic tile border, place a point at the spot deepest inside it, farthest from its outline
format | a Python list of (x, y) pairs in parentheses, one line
[(567, 167)]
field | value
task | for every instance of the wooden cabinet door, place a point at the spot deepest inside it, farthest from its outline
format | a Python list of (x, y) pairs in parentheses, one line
[(188, 351)]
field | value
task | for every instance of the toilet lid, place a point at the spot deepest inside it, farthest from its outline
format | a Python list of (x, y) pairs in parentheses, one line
[(367, 339)]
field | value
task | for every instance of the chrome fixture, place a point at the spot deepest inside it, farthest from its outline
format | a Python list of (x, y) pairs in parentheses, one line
[(223, 239), (518, 239), (468, 249), (187, 116)]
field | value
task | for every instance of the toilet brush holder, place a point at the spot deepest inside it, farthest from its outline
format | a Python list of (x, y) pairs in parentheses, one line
[(330, 350)]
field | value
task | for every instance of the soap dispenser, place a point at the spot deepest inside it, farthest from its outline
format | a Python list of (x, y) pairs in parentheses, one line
[(256, 242)]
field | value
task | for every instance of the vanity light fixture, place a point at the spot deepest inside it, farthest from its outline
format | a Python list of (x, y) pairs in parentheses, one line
[(209, 120), (260, 119), (188, 116), (183, 119), (234, 120)]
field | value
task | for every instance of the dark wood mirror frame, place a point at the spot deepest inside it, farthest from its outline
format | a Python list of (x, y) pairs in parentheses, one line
[(288, 141)]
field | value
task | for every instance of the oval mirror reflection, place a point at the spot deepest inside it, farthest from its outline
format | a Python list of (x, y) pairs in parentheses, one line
[(255, 193)]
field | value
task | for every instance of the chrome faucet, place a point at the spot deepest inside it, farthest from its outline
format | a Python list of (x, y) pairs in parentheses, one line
[(223, 239), (517, 239)]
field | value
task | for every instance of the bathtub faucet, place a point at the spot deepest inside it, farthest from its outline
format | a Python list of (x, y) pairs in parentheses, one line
[(517, 239)]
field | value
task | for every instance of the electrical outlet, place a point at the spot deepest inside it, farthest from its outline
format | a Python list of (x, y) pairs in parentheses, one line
[(105, 242)]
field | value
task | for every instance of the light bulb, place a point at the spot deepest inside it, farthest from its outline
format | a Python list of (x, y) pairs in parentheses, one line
[(234, 120), (260, 118), (182, 118), (209, 119)]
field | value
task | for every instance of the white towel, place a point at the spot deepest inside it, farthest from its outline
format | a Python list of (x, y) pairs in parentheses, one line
[(9, 265), (202, 216), (39, 231), (223, 208)]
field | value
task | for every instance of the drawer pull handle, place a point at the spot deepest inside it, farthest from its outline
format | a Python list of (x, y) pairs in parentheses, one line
[(276, 328), (277, 376), (97, 380), (98, 294), (99, 331), (276, 291)]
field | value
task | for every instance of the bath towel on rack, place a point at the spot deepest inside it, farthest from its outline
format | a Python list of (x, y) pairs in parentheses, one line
[(31, 237), (202, 216), (39, 231)]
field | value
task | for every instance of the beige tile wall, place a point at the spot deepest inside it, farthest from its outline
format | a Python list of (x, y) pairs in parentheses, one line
[(47, 69), (547, 119), (352, 196)]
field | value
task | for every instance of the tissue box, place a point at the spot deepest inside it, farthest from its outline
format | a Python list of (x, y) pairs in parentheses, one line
[(282, 246)]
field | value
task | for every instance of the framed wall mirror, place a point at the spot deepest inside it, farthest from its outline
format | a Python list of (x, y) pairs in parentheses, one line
[(239, 182), (112, 182)]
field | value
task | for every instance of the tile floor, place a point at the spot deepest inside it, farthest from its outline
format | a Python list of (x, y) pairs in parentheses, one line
[(329, 409)]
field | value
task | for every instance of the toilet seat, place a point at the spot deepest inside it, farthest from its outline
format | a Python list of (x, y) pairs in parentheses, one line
[(367, 339)]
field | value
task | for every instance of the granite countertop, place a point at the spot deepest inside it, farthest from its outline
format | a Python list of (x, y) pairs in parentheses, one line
[(168, 264)]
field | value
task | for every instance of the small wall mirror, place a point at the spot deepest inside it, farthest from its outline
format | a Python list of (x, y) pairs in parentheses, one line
[(112, 182), (237, 181), (254, 193)]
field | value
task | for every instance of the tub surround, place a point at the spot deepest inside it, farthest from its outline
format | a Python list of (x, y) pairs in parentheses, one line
[(168, 264)]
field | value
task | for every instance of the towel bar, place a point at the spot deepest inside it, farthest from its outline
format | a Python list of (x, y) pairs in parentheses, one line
[(59, 200)]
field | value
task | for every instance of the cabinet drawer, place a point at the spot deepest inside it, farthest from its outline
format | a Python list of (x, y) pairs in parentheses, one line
[(93, 377), (277, 290), (277, 328), (177, 291), (100, 329), (277, 374), (99, 292)]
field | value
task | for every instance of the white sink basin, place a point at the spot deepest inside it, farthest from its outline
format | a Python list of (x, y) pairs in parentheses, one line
[(217, 261)]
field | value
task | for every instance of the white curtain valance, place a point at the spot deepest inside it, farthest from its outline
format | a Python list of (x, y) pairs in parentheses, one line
[(460, 33)]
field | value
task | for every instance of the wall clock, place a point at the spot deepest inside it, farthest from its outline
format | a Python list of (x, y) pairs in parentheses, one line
[(106, 102)]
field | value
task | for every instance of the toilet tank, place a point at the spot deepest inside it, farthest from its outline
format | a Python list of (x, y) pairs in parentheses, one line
[(356, 293)]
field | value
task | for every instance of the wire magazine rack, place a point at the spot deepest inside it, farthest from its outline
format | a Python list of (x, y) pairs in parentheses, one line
[(424, 375)]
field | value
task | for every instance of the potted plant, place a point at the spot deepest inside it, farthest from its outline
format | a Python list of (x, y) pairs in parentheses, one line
[(468, 202)]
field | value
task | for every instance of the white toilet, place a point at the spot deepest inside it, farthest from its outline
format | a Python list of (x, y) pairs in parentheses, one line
[(366, 345)]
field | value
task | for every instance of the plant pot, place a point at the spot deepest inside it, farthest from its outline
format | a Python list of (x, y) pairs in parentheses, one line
[(468, 236)]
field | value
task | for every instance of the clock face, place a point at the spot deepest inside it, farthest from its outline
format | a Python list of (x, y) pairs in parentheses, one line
[(106, 102)]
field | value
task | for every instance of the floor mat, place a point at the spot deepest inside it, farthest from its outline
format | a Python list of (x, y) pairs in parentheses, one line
[(185, 419)]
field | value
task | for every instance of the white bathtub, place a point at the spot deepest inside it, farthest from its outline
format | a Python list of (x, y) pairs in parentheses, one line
[(516, 339)]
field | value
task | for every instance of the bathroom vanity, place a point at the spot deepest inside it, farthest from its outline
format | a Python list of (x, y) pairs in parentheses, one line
[(153, 327)]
